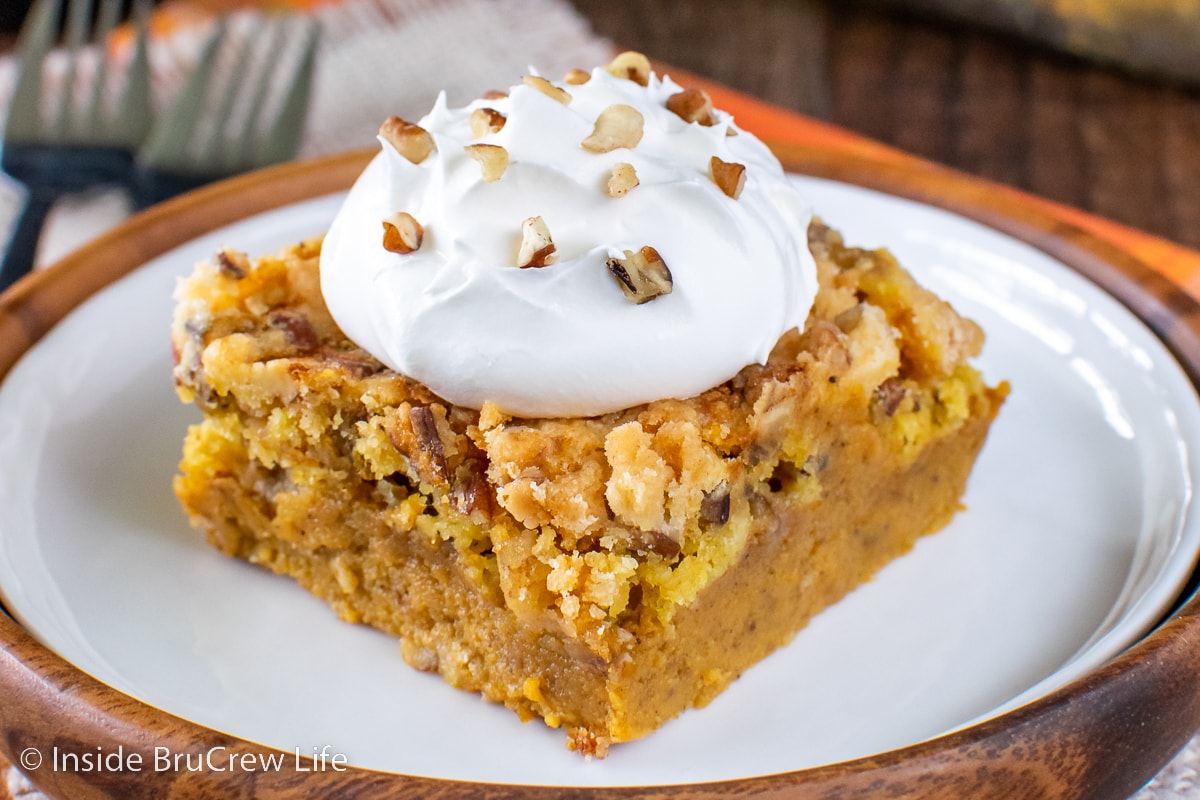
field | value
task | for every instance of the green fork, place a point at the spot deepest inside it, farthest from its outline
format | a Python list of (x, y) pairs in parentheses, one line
[(247, 115), (71, 148)]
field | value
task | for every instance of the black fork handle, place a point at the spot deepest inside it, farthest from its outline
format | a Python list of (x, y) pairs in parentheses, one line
[(22, 246), (152, 186), (50, 171)]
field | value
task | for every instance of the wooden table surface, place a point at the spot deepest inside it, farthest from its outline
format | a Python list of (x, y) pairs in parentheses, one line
[(1122, 146), (1093, 137)]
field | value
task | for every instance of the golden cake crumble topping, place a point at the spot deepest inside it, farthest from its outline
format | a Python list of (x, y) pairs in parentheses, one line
[(588, 513)]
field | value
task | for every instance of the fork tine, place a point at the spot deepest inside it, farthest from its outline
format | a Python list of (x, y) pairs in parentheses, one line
[(283, 138), (167, 147), (78, 13), (107, 17), (169, 164), (216, 149), (134, 117), (37, 36), (243, 144)]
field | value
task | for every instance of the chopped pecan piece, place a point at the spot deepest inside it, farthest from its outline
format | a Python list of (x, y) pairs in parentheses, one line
[(547, 88), (642, 275), (484, 121), (577, 77), (492, 158), (471, 490), (402, 233), (232, 264), (714, 508), (623, 178), (424, 426), (692, 105), (630, 65), (357, 363), (617, 126), (888, 396), (661, 543), (829, 345), (299, 331), (848, 320), (730, 177), (410, 140), (537, 248)]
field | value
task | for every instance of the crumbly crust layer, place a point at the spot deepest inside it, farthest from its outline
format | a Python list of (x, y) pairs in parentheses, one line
[(603, 573)]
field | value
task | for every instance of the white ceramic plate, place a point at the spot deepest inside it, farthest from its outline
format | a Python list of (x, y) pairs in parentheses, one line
[(1079, 532)]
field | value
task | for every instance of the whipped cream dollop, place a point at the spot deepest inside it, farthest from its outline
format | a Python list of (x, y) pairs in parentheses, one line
[(564, 340)]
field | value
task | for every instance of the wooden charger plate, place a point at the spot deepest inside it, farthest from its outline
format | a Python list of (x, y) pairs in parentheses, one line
[(1100, 737)]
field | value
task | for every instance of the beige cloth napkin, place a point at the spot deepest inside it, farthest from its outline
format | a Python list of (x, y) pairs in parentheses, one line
[(381, 57)]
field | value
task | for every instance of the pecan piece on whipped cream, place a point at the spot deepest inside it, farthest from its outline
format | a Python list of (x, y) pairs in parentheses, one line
[(402, 233), (547, 88), (537, 248), (624, 177), (617, 126), (492, 158), (642, 275), (577, 77), (692, 105), (630, 65), (410, 140), (484, 121), (730, 177)]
